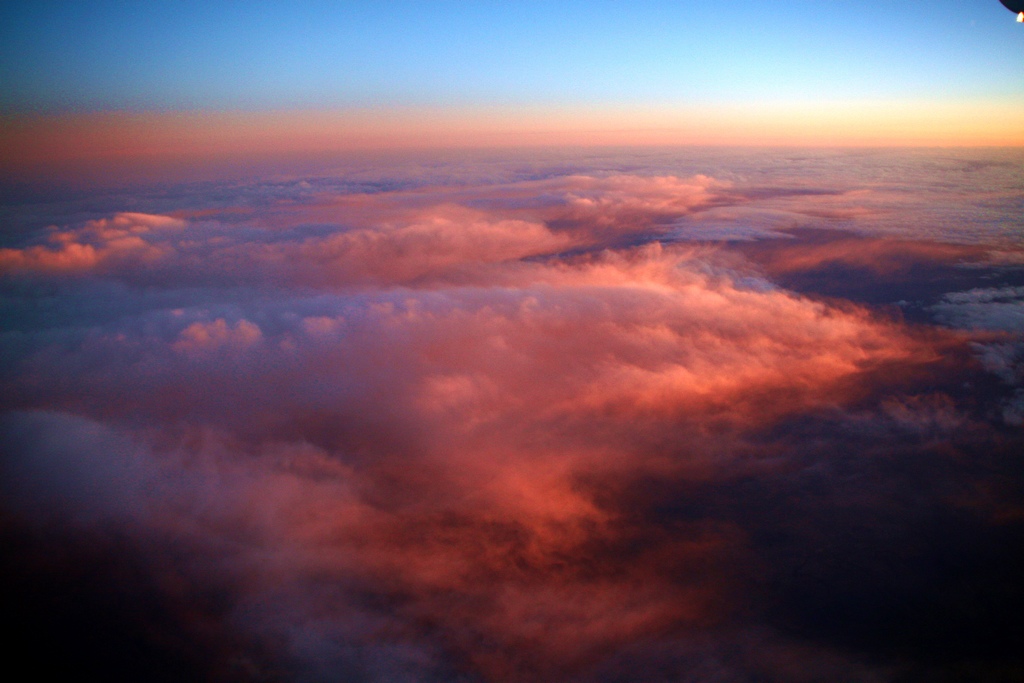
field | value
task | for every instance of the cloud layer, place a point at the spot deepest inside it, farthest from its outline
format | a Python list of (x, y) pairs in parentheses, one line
[(519, 432)]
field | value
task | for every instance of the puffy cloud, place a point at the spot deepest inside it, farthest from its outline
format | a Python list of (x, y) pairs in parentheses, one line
[(124, 240), (1001, 359), (394, 239), (984, 308), (654, 334), (199, 337), (438, 241), (441, 440)]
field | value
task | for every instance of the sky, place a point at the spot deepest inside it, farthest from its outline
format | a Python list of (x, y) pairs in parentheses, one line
[(430, 74), (225, 55)]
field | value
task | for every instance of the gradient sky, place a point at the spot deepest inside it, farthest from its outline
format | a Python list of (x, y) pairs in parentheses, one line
[(105, 55), (105, 80)]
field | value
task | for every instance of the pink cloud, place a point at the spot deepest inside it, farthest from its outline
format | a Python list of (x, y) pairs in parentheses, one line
[(201, 337), (108, 243), (432, 444), (396, 238)]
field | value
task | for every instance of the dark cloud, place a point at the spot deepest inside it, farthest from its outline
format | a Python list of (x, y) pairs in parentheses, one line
[(515, 424)]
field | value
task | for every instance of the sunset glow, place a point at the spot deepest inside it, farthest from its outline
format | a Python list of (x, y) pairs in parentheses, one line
[(55, 140)]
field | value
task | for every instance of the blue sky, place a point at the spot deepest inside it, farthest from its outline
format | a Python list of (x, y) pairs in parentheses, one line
[(58, 56)]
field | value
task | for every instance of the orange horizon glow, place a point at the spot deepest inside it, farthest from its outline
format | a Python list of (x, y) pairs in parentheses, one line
[(32, 141)]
